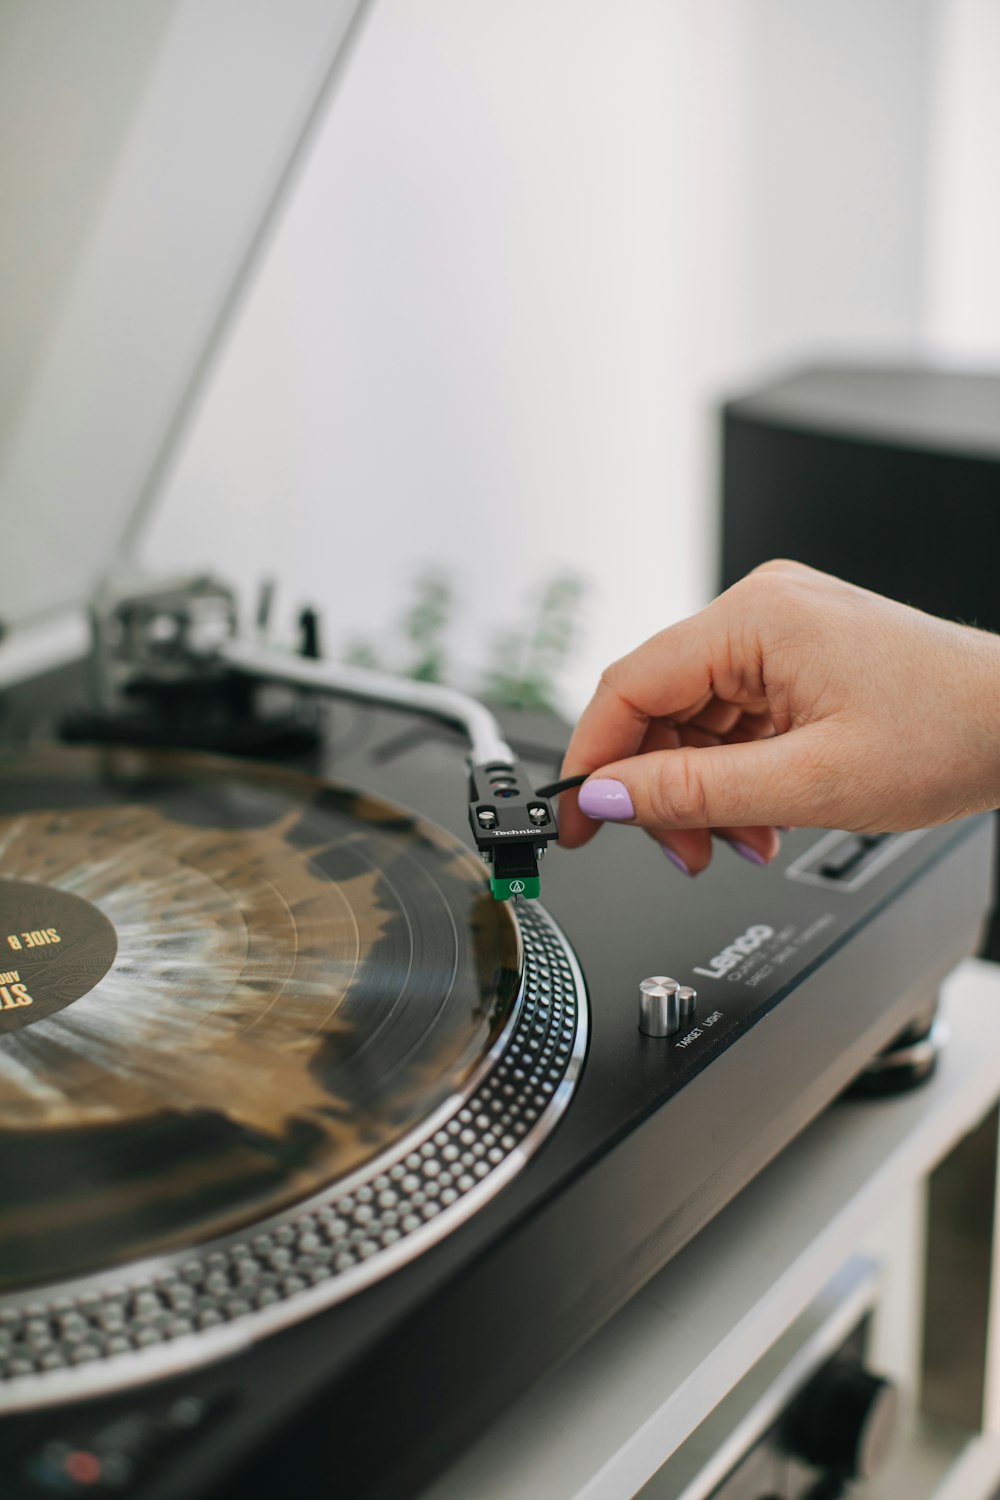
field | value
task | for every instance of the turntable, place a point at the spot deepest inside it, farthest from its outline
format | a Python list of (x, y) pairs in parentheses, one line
[(320, 1140), (305, 1154)]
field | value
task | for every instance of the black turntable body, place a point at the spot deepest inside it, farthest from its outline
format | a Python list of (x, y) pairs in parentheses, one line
[(804, 972)]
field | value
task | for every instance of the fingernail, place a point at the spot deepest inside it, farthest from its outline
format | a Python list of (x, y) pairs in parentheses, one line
[(607, 800), (747, 851), (675, 858)]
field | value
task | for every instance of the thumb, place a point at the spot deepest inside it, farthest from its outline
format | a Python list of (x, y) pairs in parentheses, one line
[(772, 781)]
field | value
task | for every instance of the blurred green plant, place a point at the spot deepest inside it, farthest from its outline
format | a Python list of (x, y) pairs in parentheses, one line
[(426, 625), (360, 652), (523, 665)]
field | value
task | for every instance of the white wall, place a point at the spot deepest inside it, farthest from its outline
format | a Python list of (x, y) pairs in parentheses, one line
[(839, 117), (464, 346), (534, 243), (962, 292)]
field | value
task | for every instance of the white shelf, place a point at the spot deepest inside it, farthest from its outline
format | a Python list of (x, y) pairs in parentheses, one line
[(601, 1424)]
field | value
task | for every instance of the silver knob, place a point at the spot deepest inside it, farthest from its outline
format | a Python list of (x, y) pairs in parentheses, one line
[(659, 1014), (687, 999)]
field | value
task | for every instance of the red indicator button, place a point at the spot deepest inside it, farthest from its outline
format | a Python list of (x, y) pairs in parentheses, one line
[(82, 1467)]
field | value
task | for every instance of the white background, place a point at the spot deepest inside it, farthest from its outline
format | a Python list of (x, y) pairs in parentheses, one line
[(533, 245)]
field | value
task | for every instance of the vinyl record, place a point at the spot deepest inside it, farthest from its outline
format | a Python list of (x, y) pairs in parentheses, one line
[(221, 989)]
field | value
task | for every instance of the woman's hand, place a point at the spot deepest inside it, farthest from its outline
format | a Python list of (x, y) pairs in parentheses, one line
[(793, 699)]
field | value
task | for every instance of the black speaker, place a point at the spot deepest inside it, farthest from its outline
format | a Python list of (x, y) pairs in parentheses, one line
[(889, 477)]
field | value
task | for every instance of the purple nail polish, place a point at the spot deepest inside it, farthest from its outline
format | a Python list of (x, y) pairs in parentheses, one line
[(748, 852), (606, 800), (675, 858)]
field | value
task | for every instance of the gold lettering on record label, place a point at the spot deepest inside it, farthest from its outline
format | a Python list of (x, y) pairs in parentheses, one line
[(14, 995), (57, 945), (39, 938)]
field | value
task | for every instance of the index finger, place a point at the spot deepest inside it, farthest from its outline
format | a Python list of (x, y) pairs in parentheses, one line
[(675, 670)]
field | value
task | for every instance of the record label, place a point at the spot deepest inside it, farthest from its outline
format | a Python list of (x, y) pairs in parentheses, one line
[(54, 948)]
